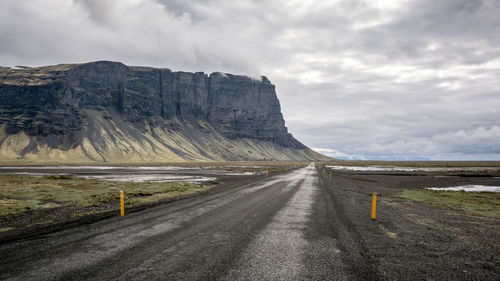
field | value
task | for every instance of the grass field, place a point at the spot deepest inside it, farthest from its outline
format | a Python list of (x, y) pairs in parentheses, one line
[(478, 203), (19, 194)]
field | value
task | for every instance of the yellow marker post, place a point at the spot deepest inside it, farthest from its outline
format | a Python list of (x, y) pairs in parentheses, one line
[(267, 173), (374, 204), (330, 174), (122, 203)]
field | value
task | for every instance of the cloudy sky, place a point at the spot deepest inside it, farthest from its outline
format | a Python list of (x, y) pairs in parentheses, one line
[(374, 79)]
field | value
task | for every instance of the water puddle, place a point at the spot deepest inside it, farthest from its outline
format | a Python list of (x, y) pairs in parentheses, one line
[(149, 178), (469, 188), (411, 169), (128, 173)]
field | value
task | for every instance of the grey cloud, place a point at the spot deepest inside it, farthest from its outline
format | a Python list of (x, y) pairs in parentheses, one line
[(100, 11), (357, 79), (181, 7)]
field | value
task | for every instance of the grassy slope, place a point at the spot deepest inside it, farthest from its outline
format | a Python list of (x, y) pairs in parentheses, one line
[(120, 142)]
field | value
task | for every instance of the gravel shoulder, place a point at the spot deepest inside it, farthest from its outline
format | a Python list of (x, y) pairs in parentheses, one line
[(411, 240)]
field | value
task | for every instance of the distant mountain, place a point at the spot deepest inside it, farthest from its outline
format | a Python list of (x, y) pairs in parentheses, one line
[(107, 111)]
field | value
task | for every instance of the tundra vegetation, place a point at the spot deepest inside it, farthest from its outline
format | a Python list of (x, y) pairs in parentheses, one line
[(19, 194), (478, 203), (485, 204)]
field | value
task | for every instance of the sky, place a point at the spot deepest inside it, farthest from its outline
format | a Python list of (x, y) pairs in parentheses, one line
[(356, 79)]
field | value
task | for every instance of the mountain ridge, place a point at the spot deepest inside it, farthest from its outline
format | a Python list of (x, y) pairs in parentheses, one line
[(109, 112)]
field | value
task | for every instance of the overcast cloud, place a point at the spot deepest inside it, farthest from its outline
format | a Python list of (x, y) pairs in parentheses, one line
[(370, 79)]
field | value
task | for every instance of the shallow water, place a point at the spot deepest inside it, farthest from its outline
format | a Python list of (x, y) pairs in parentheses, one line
[(128, 173), (410, 169), (150, 178), (469, 188)]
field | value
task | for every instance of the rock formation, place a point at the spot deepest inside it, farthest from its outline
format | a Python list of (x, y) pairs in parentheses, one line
[(107, 111)]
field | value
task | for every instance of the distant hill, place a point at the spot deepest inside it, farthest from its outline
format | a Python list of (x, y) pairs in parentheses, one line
[(107, 111)]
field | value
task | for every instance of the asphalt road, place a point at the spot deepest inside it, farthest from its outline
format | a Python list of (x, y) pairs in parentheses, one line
[(285, 227)]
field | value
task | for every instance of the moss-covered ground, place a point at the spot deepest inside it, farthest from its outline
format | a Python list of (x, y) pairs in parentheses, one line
[(479, 203), (19, 194)]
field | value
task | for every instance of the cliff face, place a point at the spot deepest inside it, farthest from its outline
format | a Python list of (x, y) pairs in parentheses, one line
[(107, 111)]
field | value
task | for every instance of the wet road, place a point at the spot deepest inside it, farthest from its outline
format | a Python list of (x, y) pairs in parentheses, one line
[(285, 227)]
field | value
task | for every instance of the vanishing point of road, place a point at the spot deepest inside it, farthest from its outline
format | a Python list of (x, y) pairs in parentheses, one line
[(284, 227)]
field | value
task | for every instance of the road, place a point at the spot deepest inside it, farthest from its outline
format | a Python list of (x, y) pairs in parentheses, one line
[(285, 227)]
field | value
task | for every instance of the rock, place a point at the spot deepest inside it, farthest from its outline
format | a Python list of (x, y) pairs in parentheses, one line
[(61, 106)]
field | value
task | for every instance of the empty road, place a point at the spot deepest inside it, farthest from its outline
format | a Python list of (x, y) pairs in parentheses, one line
[(285, 227)]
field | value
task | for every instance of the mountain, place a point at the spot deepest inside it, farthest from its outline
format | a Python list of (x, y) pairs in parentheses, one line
[(109, 112)]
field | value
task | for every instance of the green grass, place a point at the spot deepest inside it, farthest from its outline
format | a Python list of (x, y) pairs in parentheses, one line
[(479, 203), (3, 229), (19, 194)]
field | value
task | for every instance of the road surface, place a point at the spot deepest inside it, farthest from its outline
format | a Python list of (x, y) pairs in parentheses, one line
[(285, 227)]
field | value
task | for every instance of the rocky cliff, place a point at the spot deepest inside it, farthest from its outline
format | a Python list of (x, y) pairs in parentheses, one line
[(107, 111)]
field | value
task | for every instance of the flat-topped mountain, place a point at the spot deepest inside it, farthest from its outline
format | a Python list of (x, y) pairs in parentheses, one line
[(107, 111)]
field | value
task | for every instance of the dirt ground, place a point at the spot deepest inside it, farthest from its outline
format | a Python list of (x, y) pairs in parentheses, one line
[(411, 240)]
